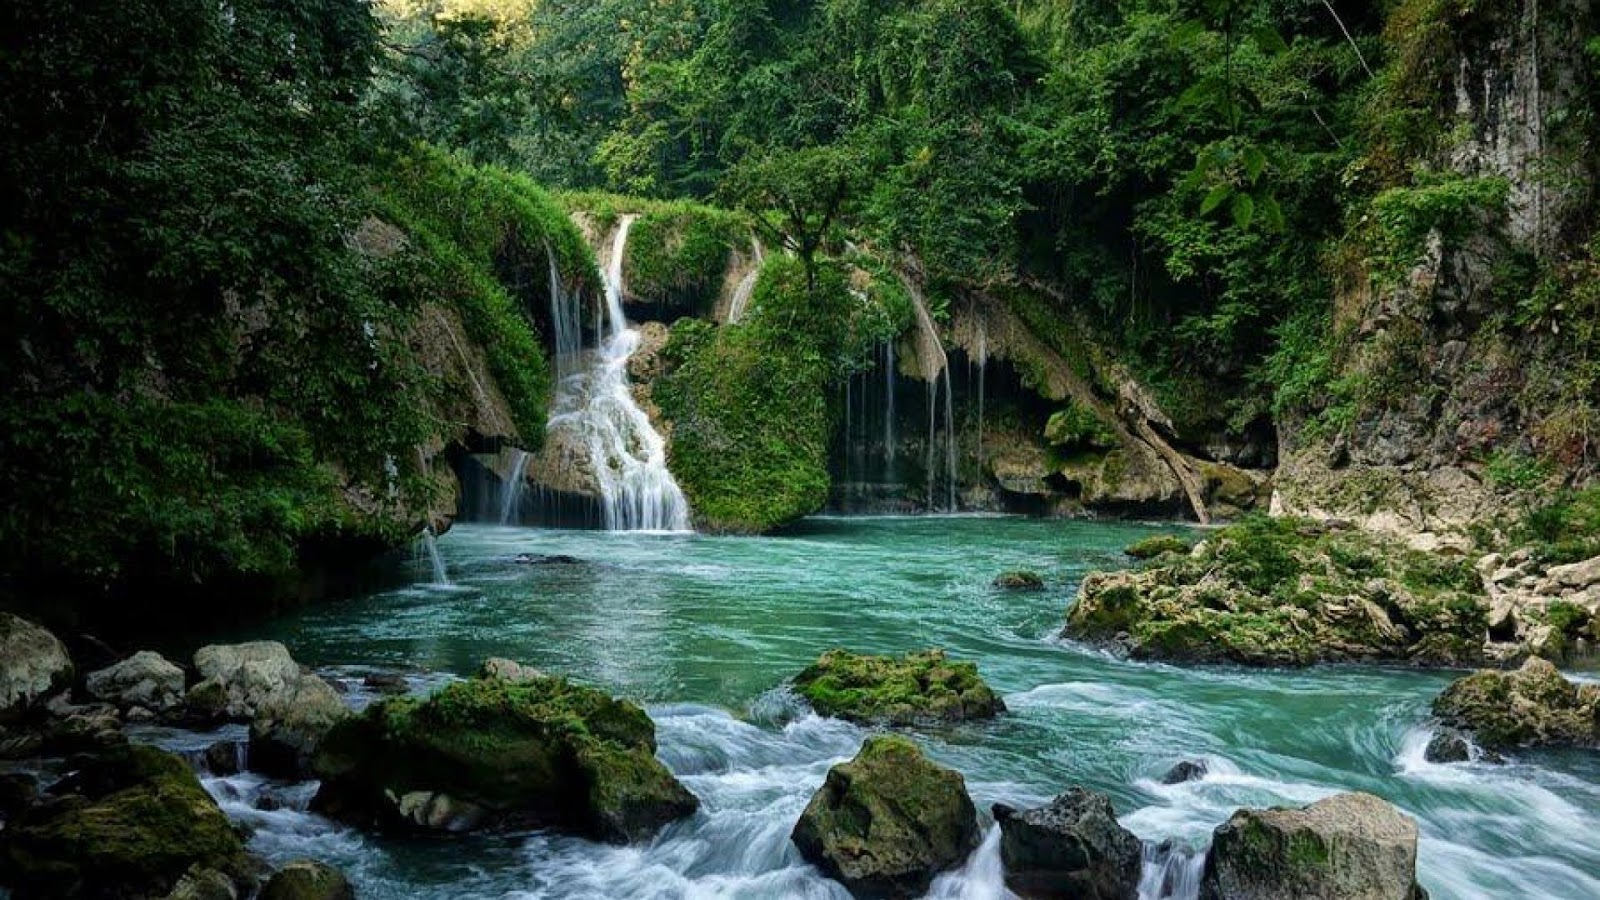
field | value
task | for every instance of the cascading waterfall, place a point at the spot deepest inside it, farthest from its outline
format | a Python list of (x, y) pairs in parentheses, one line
[(564, 322), (747, 285), (888, 406), (595, 404), (983, 368), (936, 371), (511, 490), (428, 549)]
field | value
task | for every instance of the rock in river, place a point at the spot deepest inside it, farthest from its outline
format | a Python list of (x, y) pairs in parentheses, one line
[(885, 823), (1532, 706), (1072, 849), (33, 666), (1346, 847), (145, 679), (488, 753), (918, 688)]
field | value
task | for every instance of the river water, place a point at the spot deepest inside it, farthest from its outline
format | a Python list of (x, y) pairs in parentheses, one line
[(704, 630)]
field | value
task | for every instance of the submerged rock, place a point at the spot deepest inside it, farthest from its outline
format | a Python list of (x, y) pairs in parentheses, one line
[(885, 823), (33, 666), (1283, 592), (1447, 746), (1187, 770), (306, 879), (490, 753), (1072, 848), (145, 679), (1346, 847), (1019, 581), (130, 822), (917, 688), (1530, 707)]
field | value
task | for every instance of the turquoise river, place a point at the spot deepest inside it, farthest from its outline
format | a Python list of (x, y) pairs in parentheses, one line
[(704, 631)]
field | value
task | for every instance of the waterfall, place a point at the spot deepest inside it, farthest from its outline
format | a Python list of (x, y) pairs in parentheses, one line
[(595, 407), (950, 441), (428, 548), (511, 490), (888, 406), (568, 336), (935, 369), (1169, 872), (983, 368), (747, 284)]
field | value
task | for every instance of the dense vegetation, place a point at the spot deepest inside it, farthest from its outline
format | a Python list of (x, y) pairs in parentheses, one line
[(232, 231)]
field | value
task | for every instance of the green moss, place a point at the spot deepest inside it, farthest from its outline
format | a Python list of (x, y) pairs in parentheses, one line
[(748, 404), (678, 255), (917, 687), (1019, 581), (1157, 545)]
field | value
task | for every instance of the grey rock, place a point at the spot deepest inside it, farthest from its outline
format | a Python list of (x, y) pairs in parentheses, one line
[(34, 665), (1072, 848), (307, 880), (145, 679)]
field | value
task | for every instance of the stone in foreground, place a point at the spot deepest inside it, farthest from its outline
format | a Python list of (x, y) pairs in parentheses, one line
[(1072, 848), (1346, 847), (306, 879), (145, 679), (918, 688), (134, 823), (885, 823), (492, 753), (1531, 707)]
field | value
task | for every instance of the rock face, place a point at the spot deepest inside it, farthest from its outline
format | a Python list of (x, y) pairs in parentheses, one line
[(33, 666), (1533, 706), (885, 823), (1289, 592), (491, 753), (145, 679), (1347, 847), (1072, 848), (1540, 610), (918, 688), (135, 821), (307, 880)]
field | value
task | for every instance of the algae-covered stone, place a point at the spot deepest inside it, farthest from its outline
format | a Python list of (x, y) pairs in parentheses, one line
[(490, 753), (306, 879), (885, 823), (289, 725), (1019, 580), (136, 822), (1286, 592), (1533, 706), (1158, 545), (1346, 847), (1071, 848), (917, 688)]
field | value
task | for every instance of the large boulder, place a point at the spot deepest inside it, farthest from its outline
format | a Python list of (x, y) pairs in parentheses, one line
[(33, 666), (145, 679), (918, 688), (130, 822), (1072, 848), (291, 723), (243, 676), (885, 823), (490, 753), (1532, 706), (306, 879), (1289, 592), (1346, 847)]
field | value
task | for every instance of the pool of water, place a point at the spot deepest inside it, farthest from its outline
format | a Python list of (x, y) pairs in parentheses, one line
[(704, 631)]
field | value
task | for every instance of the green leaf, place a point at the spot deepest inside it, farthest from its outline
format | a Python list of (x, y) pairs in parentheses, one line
[(1271, 212), (1244, 210), (1269, 41), (1254, 161), (1215, 199)]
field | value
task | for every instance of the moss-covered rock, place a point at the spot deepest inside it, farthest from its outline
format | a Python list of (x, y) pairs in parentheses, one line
[(488, 753), (918, 688), (677, 255), (135, 821), (1019, 580), (1533, 706), (306, 879), (1157, 545), (1347, 847), (889, 820), (1289, 592)]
